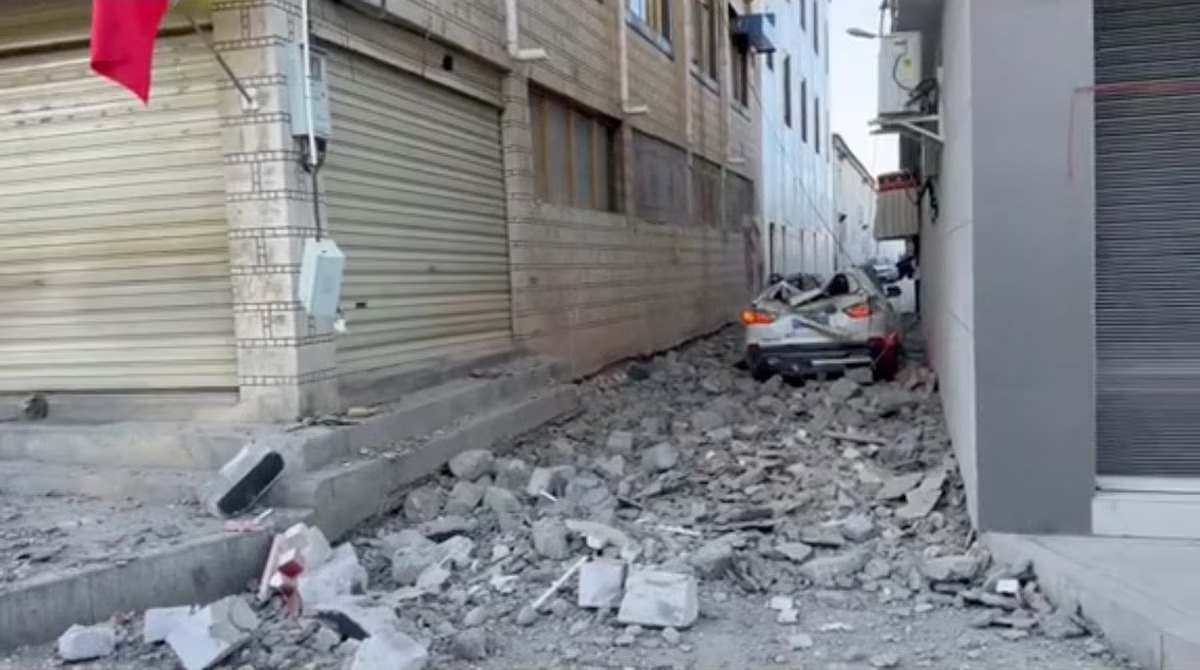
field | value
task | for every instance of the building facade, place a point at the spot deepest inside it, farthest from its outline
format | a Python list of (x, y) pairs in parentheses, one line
[(853, 207), (797, 155), (594, 204), (1059, 270)]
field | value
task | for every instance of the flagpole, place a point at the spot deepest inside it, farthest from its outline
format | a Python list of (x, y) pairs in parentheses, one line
[(249, 99)]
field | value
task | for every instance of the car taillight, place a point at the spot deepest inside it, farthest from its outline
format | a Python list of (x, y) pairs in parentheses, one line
[(756, 317), (860, 311)]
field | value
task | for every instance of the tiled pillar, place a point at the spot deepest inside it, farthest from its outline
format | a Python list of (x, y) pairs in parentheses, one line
[(286, 366)]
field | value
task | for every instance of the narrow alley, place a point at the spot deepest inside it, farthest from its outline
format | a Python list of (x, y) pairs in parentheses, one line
[(823, 525)]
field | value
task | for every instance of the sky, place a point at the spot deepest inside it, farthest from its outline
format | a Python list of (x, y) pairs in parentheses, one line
[(853, 82)]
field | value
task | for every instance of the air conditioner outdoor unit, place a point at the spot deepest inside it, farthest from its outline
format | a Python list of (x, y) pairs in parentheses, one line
[(899, 72)]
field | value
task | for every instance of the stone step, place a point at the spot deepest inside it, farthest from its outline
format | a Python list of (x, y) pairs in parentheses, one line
[(154, 485), (343, 495), (419, 413), (135, 444)]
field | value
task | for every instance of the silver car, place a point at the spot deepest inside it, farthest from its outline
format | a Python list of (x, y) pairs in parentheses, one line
[(847, 322)]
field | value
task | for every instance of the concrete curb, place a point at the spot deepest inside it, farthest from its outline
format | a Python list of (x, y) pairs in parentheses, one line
[(197, 571), (1147, 631), (346, 495)]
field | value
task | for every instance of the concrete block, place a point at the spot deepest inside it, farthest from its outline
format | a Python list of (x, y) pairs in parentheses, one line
[(660, 458), (550, 538), (342, 575), (620, 442), (410, 562), (158, 622), (551, 480), (464, 498), (659, 599), (84, 643), (471, 464), (601, 584), (393, 651), (826, 570), (212, 634), (242, 481), (302, 543)]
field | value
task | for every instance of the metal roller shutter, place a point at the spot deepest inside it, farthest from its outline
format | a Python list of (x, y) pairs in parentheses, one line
[(114, 272), (415, 192), (1148, 237)]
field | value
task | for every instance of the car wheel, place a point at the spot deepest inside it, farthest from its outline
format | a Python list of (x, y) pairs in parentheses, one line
[(761, 373)]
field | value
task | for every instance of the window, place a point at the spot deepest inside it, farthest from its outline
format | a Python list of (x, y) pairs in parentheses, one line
[(739, 61), (816, 29), (787, 91), (803, 110), (653, 14), (817, 124), (803, 17), (704, 37), (573, 154)]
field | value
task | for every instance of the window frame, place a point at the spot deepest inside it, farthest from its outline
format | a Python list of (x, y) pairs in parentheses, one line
[(652, 19), (787, 90), (602, 195), (817, 124), (816, 22), (739, 66), (804, 110), (705, 62)]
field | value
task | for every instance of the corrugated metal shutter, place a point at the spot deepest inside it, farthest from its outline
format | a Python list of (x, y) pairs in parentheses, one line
[(1148, 238), (114, 271), (415, 189)]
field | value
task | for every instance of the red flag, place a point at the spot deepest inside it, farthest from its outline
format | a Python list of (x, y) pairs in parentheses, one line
[(123, 33)]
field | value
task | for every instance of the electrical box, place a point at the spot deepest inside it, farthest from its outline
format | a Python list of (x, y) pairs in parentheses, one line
[(322, 120), (899, 71), (321, 270)]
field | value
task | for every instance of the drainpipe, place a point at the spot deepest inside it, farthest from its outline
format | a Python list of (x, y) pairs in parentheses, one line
[(512, 25)]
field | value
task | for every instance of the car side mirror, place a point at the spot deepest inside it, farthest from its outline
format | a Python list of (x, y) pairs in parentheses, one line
[(893, 291)]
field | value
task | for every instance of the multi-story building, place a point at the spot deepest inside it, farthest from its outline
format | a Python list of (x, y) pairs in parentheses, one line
[(853, 206), (592, 202), (797, 197), (1059, 270)]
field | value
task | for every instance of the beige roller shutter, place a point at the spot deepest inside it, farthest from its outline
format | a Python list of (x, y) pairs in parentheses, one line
[(416, 201), (114, 259)]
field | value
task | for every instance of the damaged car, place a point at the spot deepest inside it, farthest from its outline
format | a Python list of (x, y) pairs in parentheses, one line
[(848, 322)]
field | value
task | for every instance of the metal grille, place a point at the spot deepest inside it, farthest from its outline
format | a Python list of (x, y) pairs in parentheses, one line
[(114, 273), (416, 201), (1148, 236)]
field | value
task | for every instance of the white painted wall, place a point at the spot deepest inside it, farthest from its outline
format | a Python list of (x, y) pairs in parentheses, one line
[(947, 260), (796, 182)]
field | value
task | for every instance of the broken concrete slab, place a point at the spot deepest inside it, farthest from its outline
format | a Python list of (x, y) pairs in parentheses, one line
[(796, 552), (511, 473), (300, 543), (470, 645), (601, 584), (86, 643), (895, 487), (389, 651), (597, 536), (921, 501), (550, 538), (464, 498), (823, 536), (960, 568), (242, 481), (423, 504), (472, 464), (659, 599), (550, 480), (825, 571), (715, 557), (620, 443), (158, 622), (213, 633), (340, 576), (660, 458), (859, 528)]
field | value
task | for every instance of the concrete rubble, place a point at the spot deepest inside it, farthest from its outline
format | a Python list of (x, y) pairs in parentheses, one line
[(690, 518)]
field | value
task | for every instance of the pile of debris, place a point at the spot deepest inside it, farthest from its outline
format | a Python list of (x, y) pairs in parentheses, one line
[(682, 481)]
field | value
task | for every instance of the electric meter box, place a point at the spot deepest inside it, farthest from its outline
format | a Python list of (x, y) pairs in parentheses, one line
[(899, 71), (321, 270), (322, 119)]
